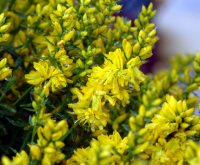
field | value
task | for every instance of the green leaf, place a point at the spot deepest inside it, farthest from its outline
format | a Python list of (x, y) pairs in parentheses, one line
[(7, 108), (18, 62), (7, 86), (17, 122)]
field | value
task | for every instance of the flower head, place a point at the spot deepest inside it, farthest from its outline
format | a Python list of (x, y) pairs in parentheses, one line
[(50, 77), (4, 70)]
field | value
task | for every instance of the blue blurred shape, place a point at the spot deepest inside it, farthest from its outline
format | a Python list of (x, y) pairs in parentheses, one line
[(131, 8)]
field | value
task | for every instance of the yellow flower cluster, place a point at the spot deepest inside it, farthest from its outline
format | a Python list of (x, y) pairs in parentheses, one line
[(176, 125), (104, 150), (192, 153), (48, 76), (38, 104), (4, 70), (49, 144), (109, 83), (20, 159), (169, 133), (47, 151), (117, 77), (173, 116), (75, 64), (4, 29)]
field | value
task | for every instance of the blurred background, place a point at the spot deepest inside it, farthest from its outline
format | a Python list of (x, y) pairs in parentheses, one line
[(178, 26)]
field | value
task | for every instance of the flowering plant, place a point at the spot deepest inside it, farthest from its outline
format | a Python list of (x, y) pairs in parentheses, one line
[(72, 91)]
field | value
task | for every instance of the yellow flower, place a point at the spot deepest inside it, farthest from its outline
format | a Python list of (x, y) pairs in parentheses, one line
[(164, 151), (65, 62), (127, 48), (135, 76), (4, 71), (89, 109), (97, 119), (115, 140), (116, 59), (49, 144), (4, 28), (20, 159), (108, 83), (48, 76), (68, 36), (174, 117), (192, 154), (105, 150), (10, 60), (35, 152)]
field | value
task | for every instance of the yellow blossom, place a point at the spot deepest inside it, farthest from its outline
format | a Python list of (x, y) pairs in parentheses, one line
[(172, 118), (192, 153), (4, 29), (20, 159), (105, 150), (35, 152), (47, 75), (4, 70), (65, 62), (49, 144)]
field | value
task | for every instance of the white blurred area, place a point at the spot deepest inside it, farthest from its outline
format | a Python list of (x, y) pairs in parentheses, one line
[(178, 22)]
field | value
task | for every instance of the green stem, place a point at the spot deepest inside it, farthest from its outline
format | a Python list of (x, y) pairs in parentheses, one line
[(33, 133), (7, 87), (25, 140), (24, 94), (34, 127), (70, 130)]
